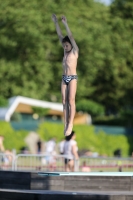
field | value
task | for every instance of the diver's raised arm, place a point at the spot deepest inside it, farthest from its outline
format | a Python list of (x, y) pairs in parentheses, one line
[(69, 33), (58, 30)]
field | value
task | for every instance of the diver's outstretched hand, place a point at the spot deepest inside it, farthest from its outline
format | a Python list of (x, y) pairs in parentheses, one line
[(64, 20), (54, 18)]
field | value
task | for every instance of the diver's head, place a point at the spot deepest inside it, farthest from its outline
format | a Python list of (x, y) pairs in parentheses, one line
[(67, 44)]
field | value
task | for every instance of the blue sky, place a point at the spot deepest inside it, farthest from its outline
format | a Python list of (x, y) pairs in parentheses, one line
[(107, 2)]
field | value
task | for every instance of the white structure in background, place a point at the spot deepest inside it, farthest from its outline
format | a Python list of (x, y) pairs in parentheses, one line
[(14, 102)]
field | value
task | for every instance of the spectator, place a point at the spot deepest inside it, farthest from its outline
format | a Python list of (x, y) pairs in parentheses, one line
[(2, 149), (61, 146), (70, 151), (39, 146), (51, 154), (7, 154), (117, 153), (8, 157), (50, 146), (85, 168), (119, 163)]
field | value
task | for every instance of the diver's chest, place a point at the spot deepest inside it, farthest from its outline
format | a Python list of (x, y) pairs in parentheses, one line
[(69, 58)]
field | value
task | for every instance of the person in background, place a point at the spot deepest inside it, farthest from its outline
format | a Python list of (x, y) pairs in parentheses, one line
[(85, 168), (50, 146), (39, 146), (61, 146), (51, 154), (8, 157), (7, 154), (2, 148), (70, 151)]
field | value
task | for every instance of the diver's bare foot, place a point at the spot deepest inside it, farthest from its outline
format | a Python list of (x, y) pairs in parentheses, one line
[(69, 130)]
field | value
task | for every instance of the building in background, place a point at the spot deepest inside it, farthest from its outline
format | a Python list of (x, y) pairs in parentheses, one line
[(23, 107)]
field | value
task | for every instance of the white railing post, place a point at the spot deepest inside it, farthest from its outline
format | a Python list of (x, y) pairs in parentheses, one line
[(76, 165)]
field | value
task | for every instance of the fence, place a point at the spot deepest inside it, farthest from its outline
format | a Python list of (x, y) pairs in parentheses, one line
[(45, 162), (39, 162), (105, 164)]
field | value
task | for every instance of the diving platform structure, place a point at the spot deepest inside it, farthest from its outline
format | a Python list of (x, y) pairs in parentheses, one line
[(20, 185)]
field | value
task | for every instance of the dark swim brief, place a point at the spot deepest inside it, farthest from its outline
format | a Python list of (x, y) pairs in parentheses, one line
[(67, 160), (67, 79)]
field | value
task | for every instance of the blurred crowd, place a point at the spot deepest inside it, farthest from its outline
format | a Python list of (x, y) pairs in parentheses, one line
[(49, 151), (67, 149), (54, 156)]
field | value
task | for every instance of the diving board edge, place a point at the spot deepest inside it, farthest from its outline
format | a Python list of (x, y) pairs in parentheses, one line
[(130, 174)]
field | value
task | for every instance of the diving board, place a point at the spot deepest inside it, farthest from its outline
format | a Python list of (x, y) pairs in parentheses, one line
[(129, 174), (67, 181)]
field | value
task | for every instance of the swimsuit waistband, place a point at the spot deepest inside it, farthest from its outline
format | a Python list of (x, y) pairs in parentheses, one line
[(69, 75)]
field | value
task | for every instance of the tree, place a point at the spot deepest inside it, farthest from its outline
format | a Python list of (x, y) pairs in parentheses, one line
[(122, 40), (122, 8), (3, 101), (23, 50), (30, 53)]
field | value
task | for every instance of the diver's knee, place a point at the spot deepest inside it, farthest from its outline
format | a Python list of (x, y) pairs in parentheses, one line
[(71, 101), (63, 101)]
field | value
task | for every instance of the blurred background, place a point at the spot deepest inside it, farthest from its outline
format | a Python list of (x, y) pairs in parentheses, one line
[(31, 70)]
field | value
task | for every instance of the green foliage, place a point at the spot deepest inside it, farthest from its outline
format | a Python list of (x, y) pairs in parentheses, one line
[(85, 135), (50, 130), (122, 39), (12, 139), (3, 101), (110, 120), (30, 53), (87, 138), (90, 107), (124, 118), (16, 116), (127, 115), (122, 8), (23, 50), (40, 111)]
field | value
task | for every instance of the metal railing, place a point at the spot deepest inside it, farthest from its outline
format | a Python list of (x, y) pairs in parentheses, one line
[(49, 162), (39, 162), (105, 164)]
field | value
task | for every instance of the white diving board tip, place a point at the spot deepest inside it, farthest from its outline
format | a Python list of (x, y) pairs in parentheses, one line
[(85, 174)]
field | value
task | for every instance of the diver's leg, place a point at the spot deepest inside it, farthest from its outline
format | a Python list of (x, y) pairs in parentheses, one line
[(64, 92), (72, 87)]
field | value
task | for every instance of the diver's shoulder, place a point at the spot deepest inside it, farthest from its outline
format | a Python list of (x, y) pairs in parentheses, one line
[(75, 52)]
